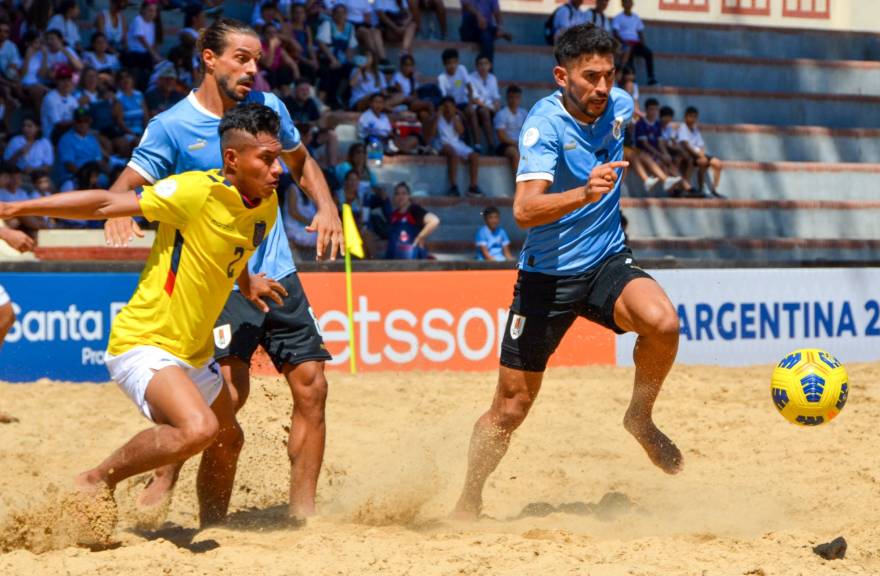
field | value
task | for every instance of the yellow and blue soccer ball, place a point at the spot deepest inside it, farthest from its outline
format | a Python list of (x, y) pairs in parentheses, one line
[(809, 387)]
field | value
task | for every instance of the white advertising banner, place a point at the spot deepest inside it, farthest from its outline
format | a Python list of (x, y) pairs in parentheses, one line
[(738, 317)]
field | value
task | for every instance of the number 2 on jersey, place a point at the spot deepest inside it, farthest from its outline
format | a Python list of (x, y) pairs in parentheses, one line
[(230, 270)]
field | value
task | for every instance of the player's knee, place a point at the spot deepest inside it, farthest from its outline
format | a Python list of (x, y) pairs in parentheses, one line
[(311, 397), (231, 438), (511, 411), (662, 321), (199, 433)]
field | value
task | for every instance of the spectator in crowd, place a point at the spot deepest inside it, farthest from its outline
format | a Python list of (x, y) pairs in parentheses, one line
[(87, 91), (185, 60), (303, 109), (85, 178), (321, 141), (362, 14), (42, 61), (409, 226), (566, 16), (481, 22), (11, 191), (104, 125), (302, 43), (42, 184), (597, 17), (449, 132), (10, 57), (508, 124), (111, 23), (56, 112), (357, 161), (691, 141), (455, 82), (193, 20), (419, 7), (101, 59), (78, 146), (277, 63), (652, 150), (493, 243), (337, 43), (397, 23), (130, 111), (365, 81), (297, 221), (64, 21), (405, 84), (486, 98), (630, 30), (352, 194), (269, 15), (164, 94), (28, 150), (142, 39), (669, 136), (627, 81), (375, 123)]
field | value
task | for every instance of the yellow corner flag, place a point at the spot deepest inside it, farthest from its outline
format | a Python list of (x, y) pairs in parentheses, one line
[(353, 245)]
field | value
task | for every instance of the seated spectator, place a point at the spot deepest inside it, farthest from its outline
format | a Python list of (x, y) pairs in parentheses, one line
[(669, 136), (185, 61), (629, 29), (321, 141), (87, 91), (337, 43), (362, 14), (268, 15), (566, 16), (142, 50), (78, 146), (481, 23), (43, 60), (278, 66), (508, 124), (493, 243), (455, 82), (365, 80), (164, 94), (65, 22), (486, 98), (375, 123), (29, 151), (10, 57), (652, 151), (691, 141), (56, 112), (597, 17), (130, 111), (298, 218), (357, 161), (418, 7), (193, 20), (11, 191), (101, 59), (86, 178), (351, 194), (405, 85), (449, 132), (409, 226), (397, 23), (111, 23), (302, 43)]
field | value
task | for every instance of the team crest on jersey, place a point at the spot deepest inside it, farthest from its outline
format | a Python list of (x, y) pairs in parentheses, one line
[(617, 127), (223, 336), (259, 232), (530, 138), (166, 188), (517, 325), (198, 145)]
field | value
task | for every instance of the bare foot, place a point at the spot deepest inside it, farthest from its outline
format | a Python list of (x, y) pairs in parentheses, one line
[(152, 504), (661, 450), (467, 510), (89, 512)]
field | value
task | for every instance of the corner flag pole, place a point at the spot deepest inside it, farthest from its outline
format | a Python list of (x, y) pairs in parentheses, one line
[(353, 245)]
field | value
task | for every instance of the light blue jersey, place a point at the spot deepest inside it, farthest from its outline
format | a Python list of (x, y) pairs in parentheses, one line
[(553, 146), (185, 138), (493, 241)]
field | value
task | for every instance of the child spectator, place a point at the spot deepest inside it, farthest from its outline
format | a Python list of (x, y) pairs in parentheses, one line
[(566, 16), (141, 42), (352, 194), (493, 243), (375, 123), (365, 81), (357, 161), (397, 23), (691, 142), (302, 44), (406, 86), (629, 29), (596, 16), (29, 151), (449, 132), (86, 178), (277, 64), (481, 23), (111, 23), (300, 213), (653, 153), (100, 59), (11, 191), (56, 113), (268, 15), (455, 82), (486, 98), (64, 21), (508, 124), (362, 14), (680, 158), (409, 226), (337, 43), (418, 7)]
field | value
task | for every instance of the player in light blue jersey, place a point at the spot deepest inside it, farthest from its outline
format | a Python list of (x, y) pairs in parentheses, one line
[(186, 137), (575, 261)]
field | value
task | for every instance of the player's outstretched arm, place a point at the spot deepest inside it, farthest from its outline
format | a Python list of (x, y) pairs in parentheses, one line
[(326, 221), (121, 231), (82, 205), (533, 207)]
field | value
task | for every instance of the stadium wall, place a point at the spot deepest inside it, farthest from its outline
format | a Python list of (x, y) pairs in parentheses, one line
[(454, 319)]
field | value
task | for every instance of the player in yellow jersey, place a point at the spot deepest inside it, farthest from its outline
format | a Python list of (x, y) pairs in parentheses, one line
[(161, 345)]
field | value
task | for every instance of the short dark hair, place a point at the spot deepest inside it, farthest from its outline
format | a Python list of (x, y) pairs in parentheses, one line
[(691, 110), (489, 210), (446, 99), (213, 37), (449, 54), (54, 32), (583, 40), (513, 89), (252, 118), (482, 56), (403, 185), (651, 102), (667, 111)]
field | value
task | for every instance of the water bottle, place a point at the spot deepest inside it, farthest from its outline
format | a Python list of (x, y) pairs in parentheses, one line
[(375, 153)]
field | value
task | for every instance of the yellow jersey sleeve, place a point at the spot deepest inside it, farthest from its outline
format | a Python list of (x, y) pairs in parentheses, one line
[(175, 200)]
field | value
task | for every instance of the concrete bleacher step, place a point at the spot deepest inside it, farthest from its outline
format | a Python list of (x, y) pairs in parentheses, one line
[(677, 69), (792, 143)]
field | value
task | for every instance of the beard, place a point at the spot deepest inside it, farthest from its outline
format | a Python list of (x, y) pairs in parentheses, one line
[(581, 107), (227, 87)]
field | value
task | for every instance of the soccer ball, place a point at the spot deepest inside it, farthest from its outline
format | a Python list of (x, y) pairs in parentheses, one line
[(809, 387)]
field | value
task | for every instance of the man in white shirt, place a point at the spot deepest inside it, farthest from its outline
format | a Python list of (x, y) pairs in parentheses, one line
[(56, 112), (597, 17), (629, 30), (691, 141), (508, 124), (566, 16)]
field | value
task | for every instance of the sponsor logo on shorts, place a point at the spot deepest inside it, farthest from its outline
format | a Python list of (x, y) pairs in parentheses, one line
[(223, 336), (517, 325)]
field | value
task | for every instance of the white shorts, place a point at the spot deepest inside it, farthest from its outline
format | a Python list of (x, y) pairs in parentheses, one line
[(4, 297), (134, 370), (461, 149)]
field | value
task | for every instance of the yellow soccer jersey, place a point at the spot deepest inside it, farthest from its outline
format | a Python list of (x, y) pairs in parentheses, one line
[(207, 232)]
